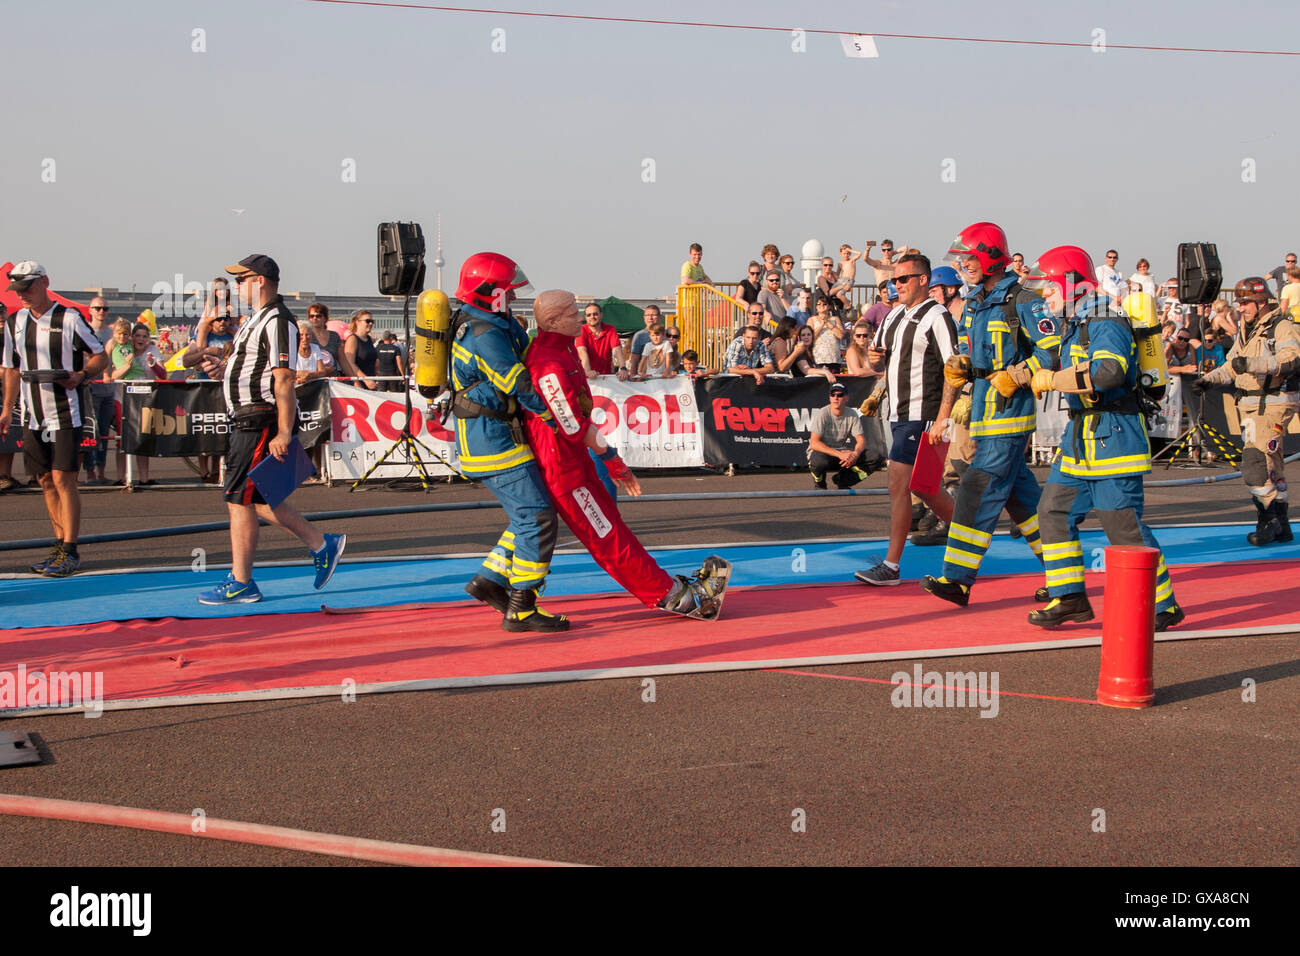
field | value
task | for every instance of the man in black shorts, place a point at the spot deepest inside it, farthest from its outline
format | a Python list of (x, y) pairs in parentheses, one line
[(264, 417), (50, 350), (910, 347)]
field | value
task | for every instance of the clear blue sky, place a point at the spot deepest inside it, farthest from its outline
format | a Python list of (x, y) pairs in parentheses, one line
[(538, 151)]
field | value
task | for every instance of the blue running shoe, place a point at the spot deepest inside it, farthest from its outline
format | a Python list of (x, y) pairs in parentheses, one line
[(327, 558), (231, 591)]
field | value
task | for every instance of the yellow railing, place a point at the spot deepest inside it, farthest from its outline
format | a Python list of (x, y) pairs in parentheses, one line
[(708, 319)]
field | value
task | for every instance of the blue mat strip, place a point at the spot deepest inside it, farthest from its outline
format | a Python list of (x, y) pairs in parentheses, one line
[(47, 602)]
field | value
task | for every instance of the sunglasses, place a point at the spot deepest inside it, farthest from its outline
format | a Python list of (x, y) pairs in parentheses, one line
[(857, 336), (366, 321), (99, 308), (907, 278), (671, 336), (756, 274)]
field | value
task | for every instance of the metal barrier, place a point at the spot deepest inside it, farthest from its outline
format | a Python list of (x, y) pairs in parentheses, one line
[(708, 320)]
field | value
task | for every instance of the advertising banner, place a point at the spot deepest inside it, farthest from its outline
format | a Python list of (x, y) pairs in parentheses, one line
[(172, 419), (768, 425), (365, 424), (654, 424)]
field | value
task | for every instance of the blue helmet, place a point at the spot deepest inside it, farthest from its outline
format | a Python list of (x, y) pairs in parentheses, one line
[(891, 293), (945, 275)]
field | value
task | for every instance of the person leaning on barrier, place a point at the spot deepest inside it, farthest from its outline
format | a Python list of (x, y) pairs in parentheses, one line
[(50, 351), (692, 272), (1263, 366), (1104, 451), (748, 356)]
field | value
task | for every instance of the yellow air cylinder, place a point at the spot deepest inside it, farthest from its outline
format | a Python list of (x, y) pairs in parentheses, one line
[(429, 350), (1154, 373)]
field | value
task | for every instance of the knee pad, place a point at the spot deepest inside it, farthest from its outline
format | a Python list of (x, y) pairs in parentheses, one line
[(1121, 526), (1054, 511), (1254, 469), (974, 482), (547, 526)]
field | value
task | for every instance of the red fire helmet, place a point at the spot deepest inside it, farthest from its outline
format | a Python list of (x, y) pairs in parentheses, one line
[(1067, 267), (986, 242), (484, 279)]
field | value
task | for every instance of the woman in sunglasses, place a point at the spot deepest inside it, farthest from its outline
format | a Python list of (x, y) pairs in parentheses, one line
[(359, 352), (855, 356)]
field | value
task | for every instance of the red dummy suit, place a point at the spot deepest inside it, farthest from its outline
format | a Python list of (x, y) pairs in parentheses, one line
[(570, 477)]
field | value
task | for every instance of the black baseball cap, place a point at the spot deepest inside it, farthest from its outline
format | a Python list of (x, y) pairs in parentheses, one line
[(257, 264), (838, 389)]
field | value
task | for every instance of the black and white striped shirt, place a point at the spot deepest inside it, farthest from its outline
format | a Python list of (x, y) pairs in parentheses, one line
[(919, 340), (59, 339), (265, 342)]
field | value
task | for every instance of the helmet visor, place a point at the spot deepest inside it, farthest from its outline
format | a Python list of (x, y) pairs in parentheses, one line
[(520, 283)]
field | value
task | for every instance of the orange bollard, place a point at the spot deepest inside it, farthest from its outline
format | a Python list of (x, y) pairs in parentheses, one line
[(1128, 628)]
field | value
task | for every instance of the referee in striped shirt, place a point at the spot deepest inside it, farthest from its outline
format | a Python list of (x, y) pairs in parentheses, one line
[(910, 346), (260, 399), (50, 349)]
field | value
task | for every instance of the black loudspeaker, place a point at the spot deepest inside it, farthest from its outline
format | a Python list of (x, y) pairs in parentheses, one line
[(1199, 274), (401, 258)]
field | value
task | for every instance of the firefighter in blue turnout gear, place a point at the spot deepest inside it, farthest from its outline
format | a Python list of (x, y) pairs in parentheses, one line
[(1104, 451), (491, 389), (1008, 336)]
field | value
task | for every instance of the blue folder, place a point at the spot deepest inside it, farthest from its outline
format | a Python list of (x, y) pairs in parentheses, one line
[(276, 479)]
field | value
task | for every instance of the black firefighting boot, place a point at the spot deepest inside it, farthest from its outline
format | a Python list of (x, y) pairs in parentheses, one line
[(1072, 607), (489, 592), (1280, 508), (523, 614), (1267, 528)]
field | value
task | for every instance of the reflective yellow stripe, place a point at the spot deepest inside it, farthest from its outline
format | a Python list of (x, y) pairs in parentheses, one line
[(1035, 545), (1002, 426), (1103, 354), (460, 352), (964, 558), (506, 536), (997, 325), (1111, 467), (1063, 548), (496, 562), (973, 536), (1165, 590), (532, 565), (1065, 576), (1049, 342), (1033, 364), (1029, 526), (525, 577), (479, 464)]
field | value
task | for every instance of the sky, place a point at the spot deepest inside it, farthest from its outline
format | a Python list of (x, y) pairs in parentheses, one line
[(594, 153)]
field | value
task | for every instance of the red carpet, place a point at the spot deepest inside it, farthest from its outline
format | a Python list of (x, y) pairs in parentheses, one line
[(462, 645)]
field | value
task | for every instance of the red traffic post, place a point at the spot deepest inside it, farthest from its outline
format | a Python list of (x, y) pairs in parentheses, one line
[(1128, 629)]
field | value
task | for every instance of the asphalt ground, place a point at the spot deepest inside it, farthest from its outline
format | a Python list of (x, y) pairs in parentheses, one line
[(764, 768)]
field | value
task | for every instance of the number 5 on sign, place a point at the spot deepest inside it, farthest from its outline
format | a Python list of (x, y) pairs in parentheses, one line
[(858, 45)]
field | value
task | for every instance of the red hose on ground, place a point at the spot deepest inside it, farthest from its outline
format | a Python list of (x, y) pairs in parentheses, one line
[(355, 848)]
